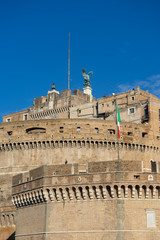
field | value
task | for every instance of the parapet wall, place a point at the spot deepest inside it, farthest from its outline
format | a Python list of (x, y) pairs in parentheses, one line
[(76, 182), (110, 201), (72, 169)]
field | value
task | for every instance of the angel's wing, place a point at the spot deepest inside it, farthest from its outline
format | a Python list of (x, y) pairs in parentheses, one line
[(83, 71), (90, 73)]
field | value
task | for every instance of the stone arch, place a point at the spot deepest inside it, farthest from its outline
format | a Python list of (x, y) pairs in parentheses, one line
[(35, 130), (130, 190), (137, 191), (150, 191), (101, 191), (144, 191), (88, 193), (123, 191), (74, 193), (81, 192), (108, 188), (68, 193), (116, 191), (94, 191)]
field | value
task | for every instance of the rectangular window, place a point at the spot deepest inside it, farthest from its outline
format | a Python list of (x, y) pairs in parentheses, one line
[(153, 166), (8, 120), (61, 129), (78, 129), (144, 135), (131, 110), (96, 130), (132, 98), (111, 131), (151, 222), (25, 117)]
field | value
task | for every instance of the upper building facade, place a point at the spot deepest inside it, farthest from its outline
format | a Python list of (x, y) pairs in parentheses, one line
[(77, 129), (136, 106)]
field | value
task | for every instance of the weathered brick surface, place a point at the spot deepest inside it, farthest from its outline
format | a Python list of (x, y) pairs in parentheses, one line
[(86, 147), (99, 205)]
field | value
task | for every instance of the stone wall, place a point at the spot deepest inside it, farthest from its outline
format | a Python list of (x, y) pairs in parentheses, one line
[(91, 205), (26, 145)]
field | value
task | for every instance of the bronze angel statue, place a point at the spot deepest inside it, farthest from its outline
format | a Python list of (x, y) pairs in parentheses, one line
[(86, 77)]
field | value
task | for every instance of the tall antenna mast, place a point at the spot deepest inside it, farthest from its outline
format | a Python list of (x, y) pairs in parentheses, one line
[(69, 62)]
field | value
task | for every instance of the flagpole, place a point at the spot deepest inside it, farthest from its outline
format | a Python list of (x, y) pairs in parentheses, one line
[(69, 61), (117, 128)]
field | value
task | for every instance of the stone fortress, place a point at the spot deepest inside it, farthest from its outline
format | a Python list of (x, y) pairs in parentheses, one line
[(60, 174)]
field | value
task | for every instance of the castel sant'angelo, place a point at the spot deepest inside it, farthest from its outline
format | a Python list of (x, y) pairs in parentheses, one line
[(64, 175)]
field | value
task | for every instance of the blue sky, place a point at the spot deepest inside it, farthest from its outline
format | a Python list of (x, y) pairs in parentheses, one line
[(119, 40)]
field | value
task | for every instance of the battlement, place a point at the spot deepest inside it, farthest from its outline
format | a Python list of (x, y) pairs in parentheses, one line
[(76, 169)]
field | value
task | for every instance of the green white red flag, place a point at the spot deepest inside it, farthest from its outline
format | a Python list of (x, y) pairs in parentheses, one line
[(118, 121)]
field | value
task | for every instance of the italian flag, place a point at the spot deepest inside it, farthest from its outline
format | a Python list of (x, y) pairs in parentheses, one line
[(118, 121)]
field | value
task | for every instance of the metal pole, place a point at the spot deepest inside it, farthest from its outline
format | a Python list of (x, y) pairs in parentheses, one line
[(69, 62)]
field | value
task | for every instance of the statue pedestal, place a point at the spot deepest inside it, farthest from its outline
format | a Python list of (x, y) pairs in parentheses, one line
[(88, 90)]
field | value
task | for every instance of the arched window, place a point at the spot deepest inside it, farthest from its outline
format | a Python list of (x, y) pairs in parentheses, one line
[(35, 130)]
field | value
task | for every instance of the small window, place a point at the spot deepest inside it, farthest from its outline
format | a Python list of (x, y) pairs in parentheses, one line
[(158, 137), (151, 222), (137, 176), (144, 135), (153, 166), (96, 130), (146, 111), (10, 133), (25, 117), (131, 110), (132, 98), (102, 105), (130, 133), (79, 111), (111, 131), (8, 120), (159, 114), (61, 129), (78, 129)]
